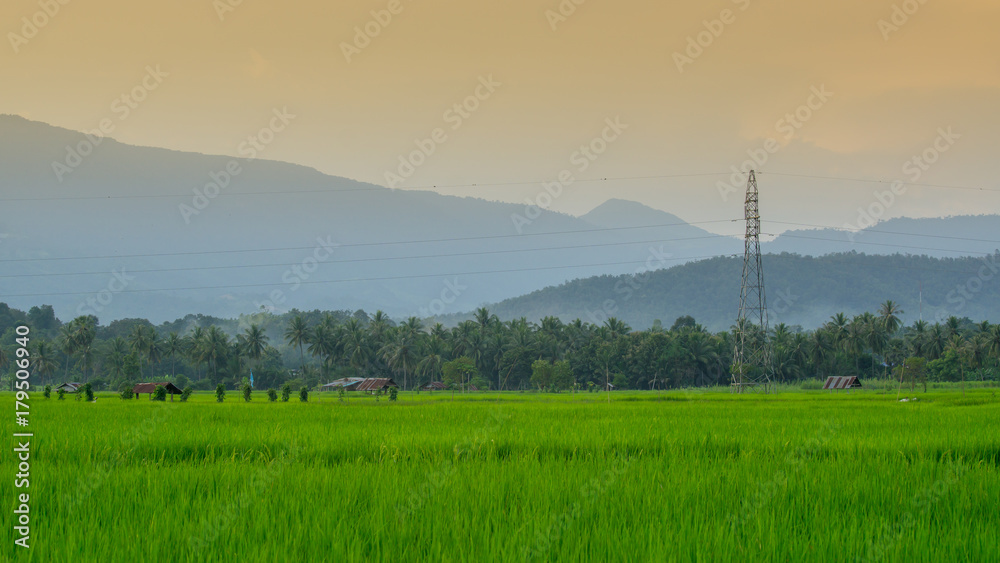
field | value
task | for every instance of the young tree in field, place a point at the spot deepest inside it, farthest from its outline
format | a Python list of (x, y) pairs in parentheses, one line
[(272, 395), (220, 393), (459, 371), (298, 334), (247, 392), (286, 392), (304, 394), (541, 374), (88, 392), (186, 393)]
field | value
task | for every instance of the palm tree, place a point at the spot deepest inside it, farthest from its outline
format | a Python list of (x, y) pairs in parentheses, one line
[(400, 355), (68, 343), (354, 343), (215, 347), (255, 343), (298, 334), (889, 314), (323, 345), (173, 346), (141, 340), (43, 359)]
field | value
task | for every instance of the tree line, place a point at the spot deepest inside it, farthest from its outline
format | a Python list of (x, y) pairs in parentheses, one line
[(306, 349)]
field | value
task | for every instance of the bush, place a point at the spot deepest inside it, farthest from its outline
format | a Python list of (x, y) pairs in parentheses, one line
[(160, 393), (286, 392), (88, 391), (342, 395), (62, 394), (393, 393), (304, 394), (79, 395), (186, 393), (272, 395), (220, 393), (48, 391), (247, 392), (126, 391)]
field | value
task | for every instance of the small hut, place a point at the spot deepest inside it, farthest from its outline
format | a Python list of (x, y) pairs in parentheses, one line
[(148, 388), (433, 386), (72, 387), (835, 383), (346, 383), (374, 384)]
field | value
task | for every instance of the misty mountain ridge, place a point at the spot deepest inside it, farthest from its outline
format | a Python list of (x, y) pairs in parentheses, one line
[(111, 237)]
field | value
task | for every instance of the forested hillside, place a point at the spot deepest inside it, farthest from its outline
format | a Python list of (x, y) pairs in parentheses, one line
[(801, 290)]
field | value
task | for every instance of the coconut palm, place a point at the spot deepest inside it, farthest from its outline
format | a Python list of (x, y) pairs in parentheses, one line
[(400, 355), (255, 343), (889, 314), (298, 335), (173, 346), (43, 359)]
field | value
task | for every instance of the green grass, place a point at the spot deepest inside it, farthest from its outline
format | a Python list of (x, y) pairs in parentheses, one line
[(677, 476)]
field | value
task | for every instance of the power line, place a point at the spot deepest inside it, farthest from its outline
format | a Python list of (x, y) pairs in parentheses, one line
[(426, 256), (365, 244)]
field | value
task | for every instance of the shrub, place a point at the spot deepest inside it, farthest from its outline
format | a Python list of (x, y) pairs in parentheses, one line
[(304, 394), (286, 392), (342, 395), (62, 394), (247, 392), (126, 391), (393, 393), (220, 393), (79, 395), (48, 391), (186, 393), (272, 395), (88, 391), (160, 393)]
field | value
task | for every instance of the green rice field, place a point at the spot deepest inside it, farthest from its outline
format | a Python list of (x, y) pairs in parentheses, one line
[(699, 476)]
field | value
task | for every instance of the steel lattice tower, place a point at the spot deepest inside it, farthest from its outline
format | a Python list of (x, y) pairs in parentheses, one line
[(752, 367)]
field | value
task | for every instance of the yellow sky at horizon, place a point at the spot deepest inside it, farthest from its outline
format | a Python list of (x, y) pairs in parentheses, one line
[(941, 68)]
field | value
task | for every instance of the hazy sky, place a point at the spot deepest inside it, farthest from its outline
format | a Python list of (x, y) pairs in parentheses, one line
[(894, 80)]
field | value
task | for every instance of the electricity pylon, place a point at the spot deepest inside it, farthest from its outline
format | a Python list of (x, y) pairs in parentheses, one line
[(752, 368)]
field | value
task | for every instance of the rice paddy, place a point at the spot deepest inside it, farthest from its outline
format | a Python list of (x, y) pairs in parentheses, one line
[(801, 476)]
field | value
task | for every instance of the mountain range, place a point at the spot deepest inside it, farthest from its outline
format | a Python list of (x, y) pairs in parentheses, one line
[(94, 226)]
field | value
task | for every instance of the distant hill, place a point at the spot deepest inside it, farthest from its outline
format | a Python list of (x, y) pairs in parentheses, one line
[(945, 237), (801, 290), (412, 252)]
